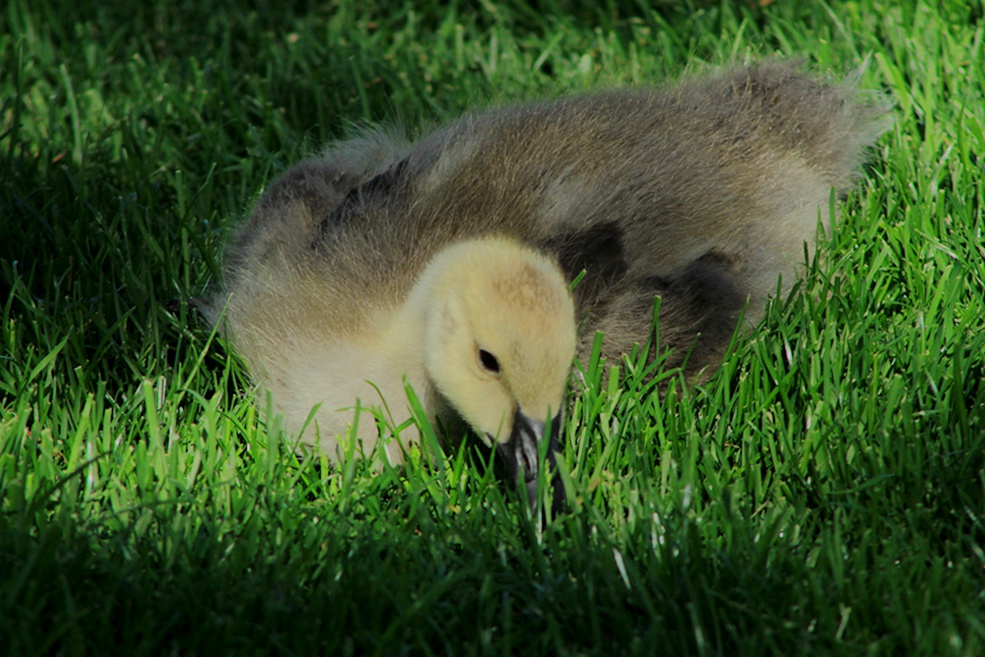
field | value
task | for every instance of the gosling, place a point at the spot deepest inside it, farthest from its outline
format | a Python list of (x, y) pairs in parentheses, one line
[(446, 265)]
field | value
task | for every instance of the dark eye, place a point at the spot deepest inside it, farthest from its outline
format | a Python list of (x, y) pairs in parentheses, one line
[(489, 362)]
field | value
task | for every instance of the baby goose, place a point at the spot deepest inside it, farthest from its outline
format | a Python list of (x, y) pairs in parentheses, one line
[(445, 264)]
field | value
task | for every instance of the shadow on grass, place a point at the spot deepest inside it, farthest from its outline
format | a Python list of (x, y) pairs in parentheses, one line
[(313, 579)]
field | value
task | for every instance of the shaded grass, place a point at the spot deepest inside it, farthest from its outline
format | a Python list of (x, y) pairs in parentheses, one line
[(822, 494)]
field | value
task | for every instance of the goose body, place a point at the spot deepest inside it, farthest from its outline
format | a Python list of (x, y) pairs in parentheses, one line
[(445, 264)]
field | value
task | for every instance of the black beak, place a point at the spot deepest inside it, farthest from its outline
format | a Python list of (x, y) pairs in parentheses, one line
[(521, 454)]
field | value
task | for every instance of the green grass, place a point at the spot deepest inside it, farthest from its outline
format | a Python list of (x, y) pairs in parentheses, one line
[(823, 494)]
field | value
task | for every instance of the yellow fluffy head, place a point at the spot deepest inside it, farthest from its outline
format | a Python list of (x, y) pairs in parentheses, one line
[(500, 334)]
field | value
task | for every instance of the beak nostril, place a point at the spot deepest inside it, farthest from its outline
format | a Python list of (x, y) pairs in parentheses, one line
[(529, 454), (522, 451)]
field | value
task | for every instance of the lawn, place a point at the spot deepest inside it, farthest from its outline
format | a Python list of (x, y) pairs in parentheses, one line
[(822, 494)]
